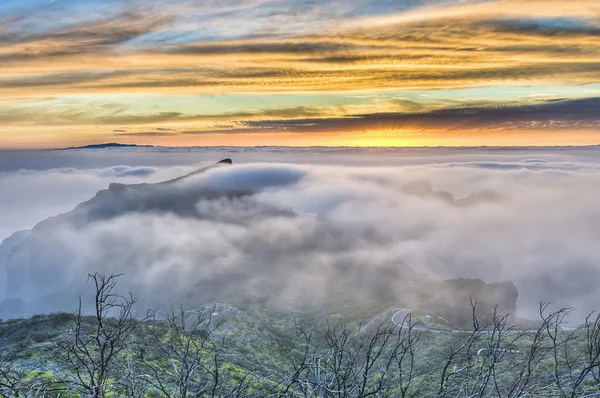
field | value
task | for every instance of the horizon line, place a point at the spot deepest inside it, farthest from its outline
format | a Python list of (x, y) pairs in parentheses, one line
[(143, 146)]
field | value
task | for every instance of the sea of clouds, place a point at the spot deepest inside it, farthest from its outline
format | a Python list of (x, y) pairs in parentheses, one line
[(530, 216)]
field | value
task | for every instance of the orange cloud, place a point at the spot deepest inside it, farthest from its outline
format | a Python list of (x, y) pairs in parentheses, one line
[(485, 44), (468, 45)]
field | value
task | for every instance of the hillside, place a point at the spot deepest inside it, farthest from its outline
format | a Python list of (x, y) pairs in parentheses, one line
[(224, 350)]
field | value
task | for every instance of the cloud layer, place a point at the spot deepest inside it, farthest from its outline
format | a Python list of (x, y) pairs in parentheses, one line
[(528, 216)]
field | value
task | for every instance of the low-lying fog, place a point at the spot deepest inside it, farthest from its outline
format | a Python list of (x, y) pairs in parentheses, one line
[(531, 216)]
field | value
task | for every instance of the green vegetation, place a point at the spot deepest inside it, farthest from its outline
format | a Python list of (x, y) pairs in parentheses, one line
[(250, 351)]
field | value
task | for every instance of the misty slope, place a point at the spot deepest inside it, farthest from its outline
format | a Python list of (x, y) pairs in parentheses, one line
[(36, 265), (207, 237), (5, 248)]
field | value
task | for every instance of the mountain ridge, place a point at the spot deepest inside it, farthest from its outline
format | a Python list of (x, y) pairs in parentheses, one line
[(107, 145)]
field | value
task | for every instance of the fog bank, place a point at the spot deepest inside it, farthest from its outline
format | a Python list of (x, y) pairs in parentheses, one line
[(527, 216)]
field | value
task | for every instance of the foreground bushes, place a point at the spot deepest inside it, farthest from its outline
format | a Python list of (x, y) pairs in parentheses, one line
[(115, 353)]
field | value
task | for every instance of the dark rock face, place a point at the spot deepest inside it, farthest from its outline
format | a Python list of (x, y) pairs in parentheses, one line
[(451, 300)]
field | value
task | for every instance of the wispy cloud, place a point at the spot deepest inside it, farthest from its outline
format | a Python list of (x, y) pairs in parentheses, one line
[(294, 46), (582, 114), (462, 45), (145, 134)]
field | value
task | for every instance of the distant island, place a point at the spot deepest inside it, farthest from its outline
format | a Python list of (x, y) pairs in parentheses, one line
[(106, 146)]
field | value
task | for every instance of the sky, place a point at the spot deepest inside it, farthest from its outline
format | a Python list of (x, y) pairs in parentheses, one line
[(299, 72)]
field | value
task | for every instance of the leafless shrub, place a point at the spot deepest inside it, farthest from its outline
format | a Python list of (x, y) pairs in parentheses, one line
[(91, 347)]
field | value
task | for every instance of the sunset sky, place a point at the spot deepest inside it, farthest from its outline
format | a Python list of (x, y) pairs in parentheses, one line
[(299, 72)]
